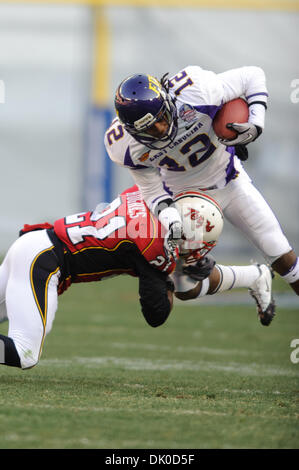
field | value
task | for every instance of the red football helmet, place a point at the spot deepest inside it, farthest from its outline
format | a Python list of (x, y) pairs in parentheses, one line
[(202, 220)]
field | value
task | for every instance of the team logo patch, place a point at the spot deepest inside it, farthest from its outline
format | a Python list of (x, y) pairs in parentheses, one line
[(187, 113), (195, 215), (209, 227), (144, 157)]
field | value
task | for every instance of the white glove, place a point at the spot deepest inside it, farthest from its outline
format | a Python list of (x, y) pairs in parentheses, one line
[(247, 132), (173, 237)]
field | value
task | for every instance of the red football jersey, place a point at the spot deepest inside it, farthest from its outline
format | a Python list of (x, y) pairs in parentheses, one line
[(98, 239)]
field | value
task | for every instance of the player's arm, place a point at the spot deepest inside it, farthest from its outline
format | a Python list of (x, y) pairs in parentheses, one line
[(189, 280), (155, 292), (156, 198), (160, 204), (249, 82), (117, 143)]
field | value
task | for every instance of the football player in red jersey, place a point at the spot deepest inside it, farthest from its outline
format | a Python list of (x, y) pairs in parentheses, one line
[(89, 246), (124, 237)]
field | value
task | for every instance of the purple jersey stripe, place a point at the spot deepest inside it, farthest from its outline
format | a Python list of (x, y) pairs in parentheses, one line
[(257, 94), (129, 162), (162, 196), (230, 170), (292, 267), (166, 188), (210, 110)]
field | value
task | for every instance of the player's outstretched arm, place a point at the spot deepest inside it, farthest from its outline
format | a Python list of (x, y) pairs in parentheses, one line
[(155, 293)]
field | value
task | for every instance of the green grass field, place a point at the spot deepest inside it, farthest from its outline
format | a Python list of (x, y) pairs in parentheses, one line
[(210, 377)]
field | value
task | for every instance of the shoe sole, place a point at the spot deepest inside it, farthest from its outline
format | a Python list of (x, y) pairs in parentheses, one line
[(267, 316)]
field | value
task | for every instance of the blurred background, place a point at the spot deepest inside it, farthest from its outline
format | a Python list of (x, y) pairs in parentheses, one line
[(60, 63)]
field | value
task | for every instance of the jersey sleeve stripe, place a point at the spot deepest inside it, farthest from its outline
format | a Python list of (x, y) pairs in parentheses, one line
[(257, 94), (210, 110), (129, 162)]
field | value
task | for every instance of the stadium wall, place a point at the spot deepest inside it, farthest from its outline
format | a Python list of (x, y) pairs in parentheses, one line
[(60, 66)]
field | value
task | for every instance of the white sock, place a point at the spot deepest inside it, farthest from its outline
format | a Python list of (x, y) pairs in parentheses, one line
[(232, 277), (293, 274), (205, 285)]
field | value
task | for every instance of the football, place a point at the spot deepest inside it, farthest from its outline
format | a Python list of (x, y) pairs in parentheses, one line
[(232, 111)]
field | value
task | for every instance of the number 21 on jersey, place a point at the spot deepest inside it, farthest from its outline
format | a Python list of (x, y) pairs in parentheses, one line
[(76, 233)]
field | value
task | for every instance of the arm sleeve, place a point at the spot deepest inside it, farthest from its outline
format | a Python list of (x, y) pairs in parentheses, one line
[(153, 292), (155, 196), (249, 82), (151, 186)]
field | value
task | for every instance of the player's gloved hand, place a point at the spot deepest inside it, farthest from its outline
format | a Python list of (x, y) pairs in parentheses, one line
[(174, 236), (247, 132), (241, 152), (201, 269)]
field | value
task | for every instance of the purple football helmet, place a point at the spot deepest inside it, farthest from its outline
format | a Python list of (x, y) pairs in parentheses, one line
[(141, 101)]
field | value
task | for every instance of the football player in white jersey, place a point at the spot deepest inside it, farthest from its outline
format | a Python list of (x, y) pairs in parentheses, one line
[(163, 134)]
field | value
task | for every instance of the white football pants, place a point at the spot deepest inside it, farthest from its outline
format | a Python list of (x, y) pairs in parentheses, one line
[(245, 208), (28, 293)]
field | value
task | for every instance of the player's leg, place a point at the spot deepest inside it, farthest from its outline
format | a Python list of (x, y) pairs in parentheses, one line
[(257, 279), (287, 266), (247, 209), (3, 282), (31, 297), (8, 352)]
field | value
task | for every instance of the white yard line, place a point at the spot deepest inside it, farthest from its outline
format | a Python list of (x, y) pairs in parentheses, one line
[(129, 363), (187, 349), (134, 410)]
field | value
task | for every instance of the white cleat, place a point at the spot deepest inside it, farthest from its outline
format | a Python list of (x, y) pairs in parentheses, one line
[(261, 291)]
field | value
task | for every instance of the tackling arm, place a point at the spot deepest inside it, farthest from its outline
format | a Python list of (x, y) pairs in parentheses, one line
[(155, 292), (156, 198), (188, 279)]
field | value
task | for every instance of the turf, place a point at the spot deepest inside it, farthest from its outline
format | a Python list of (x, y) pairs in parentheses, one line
[(210, 378)]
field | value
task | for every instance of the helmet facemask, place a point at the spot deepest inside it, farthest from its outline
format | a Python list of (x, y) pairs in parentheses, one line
[(141, 101), (198, 251), (168, 112)]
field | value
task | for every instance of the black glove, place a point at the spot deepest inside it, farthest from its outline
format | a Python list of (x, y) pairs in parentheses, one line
[(201, 270), (241, 152)]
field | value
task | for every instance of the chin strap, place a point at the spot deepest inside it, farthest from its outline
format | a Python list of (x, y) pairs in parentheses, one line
[(165, 82)]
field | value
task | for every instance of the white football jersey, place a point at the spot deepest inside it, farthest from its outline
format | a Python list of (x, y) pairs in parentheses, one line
[(196, 159)]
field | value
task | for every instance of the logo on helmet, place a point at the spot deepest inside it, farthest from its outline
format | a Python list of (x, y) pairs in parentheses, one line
[(209, 227), (154, 85), (195, 215)]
